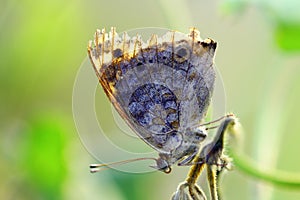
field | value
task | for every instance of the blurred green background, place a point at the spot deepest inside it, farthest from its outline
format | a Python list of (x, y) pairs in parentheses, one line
[(43, 43)]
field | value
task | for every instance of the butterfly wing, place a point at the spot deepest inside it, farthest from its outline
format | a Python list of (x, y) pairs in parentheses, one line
[(160, 88)]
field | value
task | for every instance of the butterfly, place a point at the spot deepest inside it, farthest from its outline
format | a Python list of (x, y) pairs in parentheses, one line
[(162, 88)]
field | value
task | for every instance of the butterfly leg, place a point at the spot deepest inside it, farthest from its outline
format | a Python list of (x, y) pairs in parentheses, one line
[(188, 160)]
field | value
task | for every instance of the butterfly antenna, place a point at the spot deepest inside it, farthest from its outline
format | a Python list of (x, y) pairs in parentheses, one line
[(217, 120), (99, 167), (212, 127)]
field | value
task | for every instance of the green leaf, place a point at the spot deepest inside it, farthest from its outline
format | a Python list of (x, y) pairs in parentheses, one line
[(44, 160), (287, 36)]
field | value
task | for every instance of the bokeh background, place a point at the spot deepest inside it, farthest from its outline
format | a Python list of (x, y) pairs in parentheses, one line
[(43, 44)]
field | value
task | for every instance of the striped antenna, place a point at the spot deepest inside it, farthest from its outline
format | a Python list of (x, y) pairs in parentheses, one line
[(99, 167)]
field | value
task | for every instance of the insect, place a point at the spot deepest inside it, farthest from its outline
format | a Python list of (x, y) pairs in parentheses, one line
[(162, 88)]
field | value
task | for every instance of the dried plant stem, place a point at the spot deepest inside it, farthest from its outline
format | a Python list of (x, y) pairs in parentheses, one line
[(212, 177), (195, 172)]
